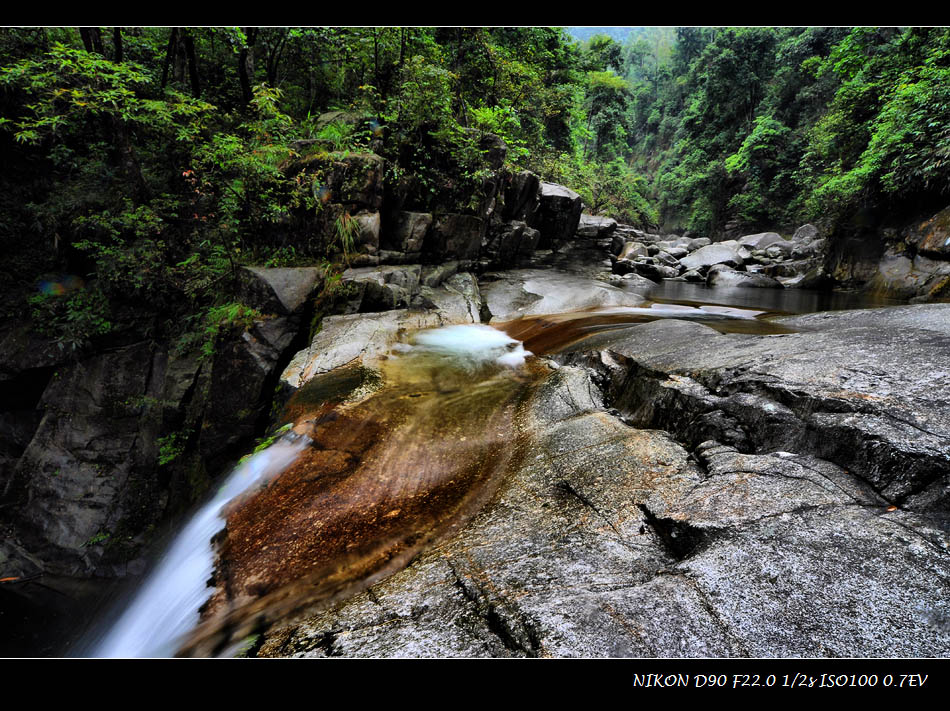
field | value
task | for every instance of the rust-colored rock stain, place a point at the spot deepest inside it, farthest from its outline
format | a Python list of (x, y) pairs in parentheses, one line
[(384, 477), (387, 474)]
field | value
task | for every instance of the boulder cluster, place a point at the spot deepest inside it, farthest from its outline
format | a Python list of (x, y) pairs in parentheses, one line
[(763, 260), (513, 214)]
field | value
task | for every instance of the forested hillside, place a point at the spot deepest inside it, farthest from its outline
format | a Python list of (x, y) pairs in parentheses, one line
[(762, 127), (157, 160)]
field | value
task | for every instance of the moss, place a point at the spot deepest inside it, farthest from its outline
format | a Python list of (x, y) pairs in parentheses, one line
[(940, 291), (170, 447), (197, 478), (265, 442)]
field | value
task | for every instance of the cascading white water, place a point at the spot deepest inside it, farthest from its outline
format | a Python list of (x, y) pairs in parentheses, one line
[(165, 608), (471, 346)]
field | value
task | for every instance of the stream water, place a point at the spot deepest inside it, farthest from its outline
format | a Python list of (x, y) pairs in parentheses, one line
[(385, 458)]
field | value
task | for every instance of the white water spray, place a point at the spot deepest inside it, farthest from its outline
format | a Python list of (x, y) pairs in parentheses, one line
[(470, 347), (165, 609)]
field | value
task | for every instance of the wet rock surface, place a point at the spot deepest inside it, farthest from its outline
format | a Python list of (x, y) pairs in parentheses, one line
[(687, 493), (854, 387), (614, 541), (523, 292)]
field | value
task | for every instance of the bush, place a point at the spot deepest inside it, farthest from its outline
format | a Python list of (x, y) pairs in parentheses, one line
[(71, 319)]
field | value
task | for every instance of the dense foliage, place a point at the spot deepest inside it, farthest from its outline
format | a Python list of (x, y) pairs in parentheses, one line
[(765, 127), (145, 165)]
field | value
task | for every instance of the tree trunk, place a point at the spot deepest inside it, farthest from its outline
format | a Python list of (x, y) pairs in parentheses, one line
[(126, 158), (169, 55), (246, 64), (117, 43), (192, 63), (91, 39)]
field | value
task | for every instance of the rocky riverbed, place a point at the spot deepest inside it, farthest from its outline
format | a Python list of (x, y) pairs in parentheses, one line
[(680, 468), (673, 490)]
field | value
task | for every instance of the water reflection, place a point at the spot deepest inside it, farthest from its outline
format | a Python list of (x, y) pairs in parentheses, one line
[(779, 301)]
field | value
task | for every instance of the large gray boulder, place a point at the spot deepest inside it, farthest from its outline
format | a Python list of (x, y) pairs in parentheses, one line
[(805, 234), (762, 240), (633, 249), (595, 226), (350, 340), (366, 239), (522, 197), (705, 257), (279, 290), (743, 280), (86, 469), (371, 289)]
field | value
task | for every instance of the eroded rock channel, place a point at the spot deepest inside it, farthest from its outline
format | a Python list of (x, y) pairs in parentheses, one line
[(660, 488)]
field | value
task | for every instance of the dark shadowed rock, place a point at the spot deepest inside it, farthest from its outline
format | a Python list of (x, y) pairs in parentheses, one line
[(454, 236), (650, 270), (89, 467), (354, 180), (408, 232), (932, 237), (494, 149), (510, 243), (242, 378), (522, 197), (558, 215)]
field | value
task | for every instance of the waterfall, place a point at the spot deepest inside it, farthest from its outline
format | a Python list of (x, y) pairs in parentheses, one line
[(165, 608)]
